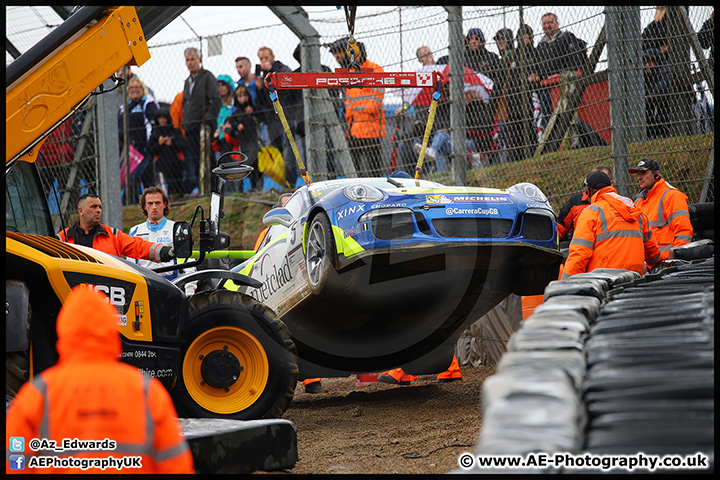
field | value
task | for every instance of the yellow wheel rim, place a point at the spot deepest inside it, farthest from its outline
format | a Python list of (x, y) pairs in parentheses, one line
[(251, 380)]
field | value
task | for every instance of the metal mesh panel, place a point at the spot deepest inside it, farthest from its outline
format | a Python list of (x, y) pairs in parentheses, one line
[(68, 164), (550, 131), (613, 109)]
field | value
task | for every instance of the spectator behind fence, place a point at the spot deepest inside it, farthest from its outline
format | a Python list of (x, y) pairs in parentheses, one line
[(425, 56), (155, 206), (525, 35), (657, 93), (201, 104), (334, 96), (611, 232), (176, 112), (141, 110), (477, 57), (506, 95), (243, 65), (665, 206), (479, 129), (226, 90), (409, 125), (126, 74), (557, 51), (706, 37), (290, 103), (165, 146), (91, 395), (655, 34), (244, 121), (363, 111)]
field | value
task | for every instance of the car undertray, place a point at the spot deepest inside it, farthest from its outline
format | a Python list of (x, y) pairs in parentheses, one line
[(391, 308)]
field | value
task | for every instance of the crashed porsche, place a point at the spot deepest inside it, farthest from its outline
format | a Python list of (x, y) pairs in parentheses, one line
[(374, 273)]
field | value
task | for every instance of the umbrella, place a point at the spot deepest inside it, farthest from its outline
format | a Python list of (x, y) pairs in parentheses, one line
[(423, 96)]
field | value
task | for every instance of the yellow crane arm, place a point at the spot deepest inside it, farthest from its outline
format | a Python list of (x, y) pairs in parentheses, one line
[(42, 97)]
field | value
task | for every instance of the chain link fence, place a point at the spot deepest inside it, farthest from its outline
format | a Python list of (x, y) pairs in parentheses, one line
[(615, 85)]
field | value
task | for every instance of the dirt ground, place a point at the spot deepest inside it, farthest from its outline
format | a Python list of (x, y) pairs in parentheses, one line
[(379, 428)]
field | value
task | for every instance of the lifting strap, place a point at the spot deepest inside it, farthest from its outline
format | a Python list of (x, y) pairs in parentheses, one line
[(281, 113), (428, 126)]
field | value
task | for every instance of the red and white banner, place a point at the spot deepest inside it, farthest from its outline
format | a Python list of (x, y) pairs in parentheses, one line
[(342, 78)]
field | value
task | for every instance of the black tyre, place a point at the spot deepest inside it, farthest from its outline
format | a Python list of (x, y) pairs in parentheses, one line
[(320, 257), (239, 361), (17, 371)]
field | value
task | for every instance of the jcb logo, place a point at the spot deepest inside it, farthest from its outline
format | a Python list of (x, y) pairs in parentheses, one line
[(119, 292), (115, 294)]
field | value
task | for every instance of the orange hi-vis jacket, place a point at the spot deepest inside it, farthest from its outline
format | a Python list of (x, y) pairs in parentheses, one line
[(116, 242), (667, 209), (611, 233), (91, 396), (364, 108)]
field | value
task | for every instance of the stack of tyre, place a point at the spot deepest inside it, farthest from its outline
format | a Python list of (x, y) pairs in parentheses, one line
[(611, 364)]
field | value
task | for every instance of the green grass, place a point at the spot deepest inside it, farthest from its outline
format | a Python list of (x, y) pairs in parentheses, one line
[(560, 174)]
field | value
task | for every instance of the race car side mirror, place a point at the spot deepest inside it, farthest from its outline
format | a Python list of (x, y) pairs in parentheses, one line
[(278, 216)]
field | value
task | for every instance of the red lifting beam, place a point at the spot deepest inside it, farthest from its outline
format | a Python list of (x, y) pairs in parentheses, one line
[(345, 78)]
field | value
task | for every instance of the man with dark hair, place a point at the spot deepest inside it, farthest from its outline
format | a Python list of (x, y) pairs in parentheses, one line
[(479, 58), (664, 205), (158, 229), (569, 213), (243, 65), (200, 107), (88, 231), (610, 233)]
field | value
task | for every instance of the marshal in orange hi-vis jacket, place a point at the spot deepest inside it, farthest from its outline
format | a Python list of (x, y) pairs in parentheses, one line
[(90, 395)]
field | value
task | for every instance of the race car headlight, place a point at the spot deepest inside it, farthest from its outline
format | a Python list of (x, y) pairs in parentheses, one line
[(363, 193), (530, 191)]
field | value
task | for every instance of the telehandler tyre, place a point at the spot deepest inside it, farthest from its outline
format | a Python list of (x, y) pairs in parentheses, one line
[(238, 360), (17, 372)]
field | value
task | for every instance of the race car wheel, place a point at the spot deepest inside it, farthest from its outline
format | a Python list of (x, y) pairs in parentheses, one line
[(239, 361), (320, 252)]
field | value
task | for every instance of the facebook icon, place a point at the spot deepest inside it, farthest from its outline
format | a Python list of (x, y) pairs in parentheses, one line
[(17, 462)]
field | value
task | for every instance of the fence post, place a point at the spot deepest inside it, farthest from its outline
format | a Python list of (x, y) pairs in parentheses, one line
[(634, 76), (617, 64), (681, 99), (458, 123), (314, 137), (108, 160)]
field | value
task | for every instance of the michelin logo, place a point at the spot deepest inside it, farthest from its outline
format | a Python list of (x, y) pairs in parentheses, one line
[(466, 199)]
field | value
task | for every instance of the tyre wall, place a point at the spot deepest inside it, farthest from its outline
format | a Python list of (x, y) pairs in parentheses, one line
[(611, 364)]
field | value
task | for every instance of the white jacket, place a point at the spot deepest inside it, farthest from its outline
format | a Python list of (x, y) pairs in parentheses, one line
[(161, 233)]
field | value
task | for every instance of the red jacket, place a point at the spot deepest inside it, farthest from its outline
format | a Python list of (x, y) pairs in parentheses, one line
[(611, 233), (91, 395), (667, 209), (116, 242), (570, 212)]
